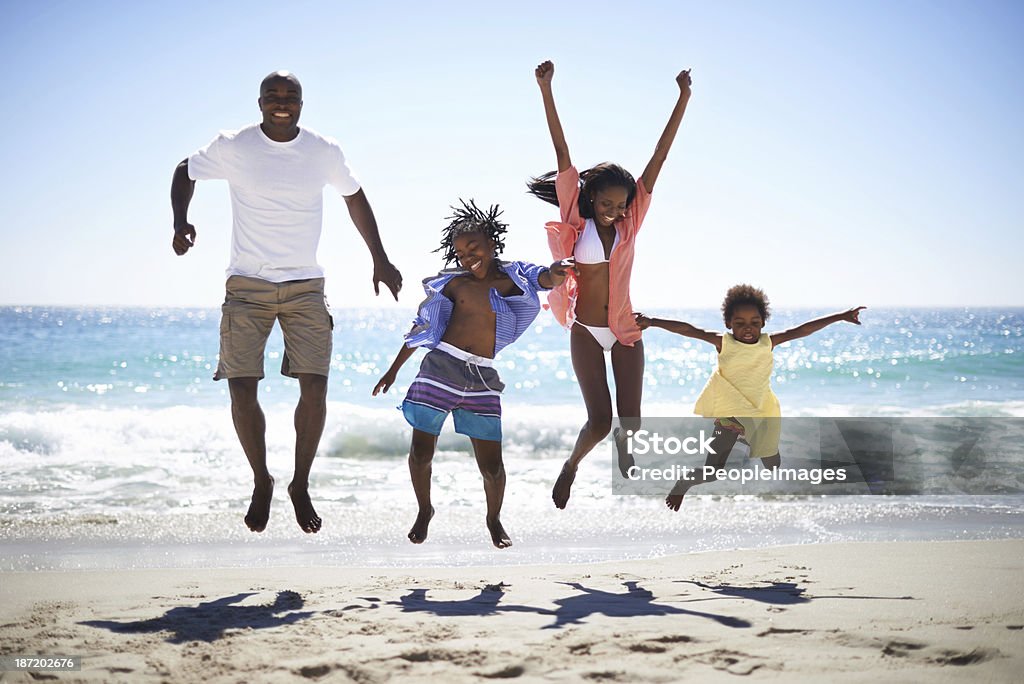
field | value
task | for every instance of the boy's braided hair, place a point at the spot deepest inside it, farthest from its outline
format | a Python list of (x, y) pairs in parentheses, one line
[(471, 219)]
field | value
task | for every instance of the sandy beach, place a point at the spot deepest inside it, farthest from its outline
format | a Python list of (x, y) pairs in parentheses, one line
[(901, 611)]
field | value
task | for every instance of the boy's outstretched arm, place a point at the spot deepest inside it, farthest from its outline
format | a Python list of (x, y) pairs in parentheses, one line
[(805, 329), (680, 328), (544, 72), (555, 275), (653, 168), (388, 379)]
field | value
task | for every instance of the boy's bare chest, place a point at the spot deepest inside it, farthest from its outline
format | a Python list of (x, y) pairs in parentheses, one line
[(475, 295)]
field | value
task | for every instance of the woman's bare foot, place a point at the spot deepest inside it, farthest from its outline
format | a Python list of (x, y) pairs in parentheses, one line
[(259, 507), (418, 533), (563, 486), (624, 457), (305, 515), (498, 534)]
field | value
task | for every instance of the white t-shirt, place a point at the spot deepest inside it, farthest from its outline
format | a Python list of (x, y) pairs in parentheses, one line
[(276, 198)]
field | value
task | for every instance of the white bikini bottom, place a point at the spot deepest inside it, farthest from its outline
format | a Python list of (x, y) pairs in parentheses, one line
[(602, 334)]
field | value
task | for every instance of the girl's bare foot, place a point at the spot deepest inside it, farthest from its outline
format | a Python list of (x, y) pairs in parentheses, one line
[(563, 486)]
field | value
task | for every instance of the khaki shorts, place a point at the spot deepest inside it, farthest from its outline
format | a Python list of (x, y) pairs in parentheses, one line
[(250, 308)]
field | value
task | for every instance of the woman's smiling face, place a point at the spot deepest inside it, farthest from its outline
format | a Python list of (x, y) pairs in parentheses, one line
[(610, 205)]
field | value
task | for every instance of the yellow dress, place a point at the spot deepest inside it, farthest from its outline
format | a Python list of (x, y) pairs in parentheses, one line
[(740, 388)]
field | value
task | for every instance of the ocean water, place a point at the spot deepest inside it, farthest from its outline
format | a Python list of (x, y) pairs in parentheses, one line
[(116, 446)]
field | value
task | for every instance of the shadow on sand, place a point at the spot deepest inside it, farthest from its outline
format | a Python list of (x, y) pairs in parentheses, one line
[(635, 601), (208, 621), (777, 593)]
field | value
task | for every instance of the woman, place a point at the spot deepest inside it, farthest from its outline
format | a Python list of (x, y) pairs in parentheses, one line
[(601, 210)]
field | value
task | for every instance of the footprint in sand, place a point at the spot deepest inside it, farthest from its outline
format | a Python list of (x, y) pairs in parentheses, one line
[(732, 662)]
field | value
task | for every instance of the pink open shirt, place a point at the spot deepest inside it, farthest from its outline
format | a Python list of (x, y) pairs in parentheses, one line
[(562, 236)]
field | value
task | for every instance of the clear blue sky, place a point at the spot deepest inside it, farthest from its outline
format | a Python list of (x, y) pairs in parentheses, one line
[(833, 153)]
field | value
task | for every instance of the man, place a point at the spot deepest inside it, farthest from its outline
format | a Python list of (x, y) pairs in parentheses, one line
[(276, 173)]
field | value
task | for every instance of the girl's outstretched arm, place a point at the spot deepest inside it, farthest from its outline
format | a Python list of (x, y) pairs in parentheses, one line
[(679, 328), (665, 142), (544, 72), (805, 329)]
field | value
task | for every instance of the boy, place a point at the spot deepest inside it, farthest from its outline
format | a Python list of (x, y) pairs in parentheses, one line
[(470, 314)]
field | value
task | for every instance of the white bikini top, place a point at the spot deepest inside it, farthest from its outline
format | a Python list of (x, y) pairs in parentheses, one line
[(589, 249)]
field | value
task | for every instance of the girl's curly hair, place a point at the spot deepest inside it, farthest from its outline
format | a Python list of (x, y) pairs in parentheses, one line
[(471, 219), (745, 295)]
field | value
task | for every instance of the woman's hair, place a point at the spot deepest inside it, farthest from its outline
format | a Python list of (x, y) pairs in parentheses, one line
[(745, 295), (472, 219), (593, 180)]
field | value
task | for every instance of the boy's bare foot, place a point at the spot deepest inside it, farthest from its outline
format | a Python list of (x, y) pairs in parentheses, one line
[(563, 486), (418, 533), (258, 515), (625, 458), (305, 515), (498, 534)]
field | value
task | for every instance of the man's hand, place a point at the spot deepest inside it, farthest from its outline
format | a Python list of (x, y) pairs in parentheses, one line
[(643, 322), (385, 272), (544, 72), (385, 383), (184, 238)]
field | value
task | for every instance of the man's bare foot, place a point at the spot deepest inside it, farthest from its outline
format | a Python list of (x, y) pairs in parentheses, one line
[(498, 534), (563, 486), (674, 501), (418, 533), (305, 515), (258, 515), (625, 459)]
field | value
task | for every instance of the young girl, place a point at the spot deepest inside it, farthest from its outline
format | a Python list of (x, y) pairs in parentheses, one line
[(738, 394), (470, 314), (600, 220)]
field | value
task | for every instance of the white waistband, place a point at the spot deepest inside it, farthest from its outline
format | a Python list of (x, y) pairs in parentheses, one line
[(463, 355)]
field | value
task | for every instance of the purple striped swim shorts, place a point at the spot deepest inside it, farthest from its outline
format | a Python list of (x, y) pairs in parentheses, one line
[(453, 381)]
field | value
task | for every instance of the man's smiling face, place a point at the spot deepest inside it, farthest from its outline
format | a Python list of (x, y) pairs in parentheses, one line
[(281, 103)]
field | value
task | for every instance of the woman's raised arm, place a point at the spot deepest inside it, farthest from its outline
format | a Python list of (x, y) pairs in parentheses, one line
[(545, 72), (650, 174)]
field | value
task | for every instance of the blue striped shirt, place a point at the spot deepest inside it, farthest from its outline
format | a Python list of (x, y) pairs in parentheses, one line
[(513, 315)]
